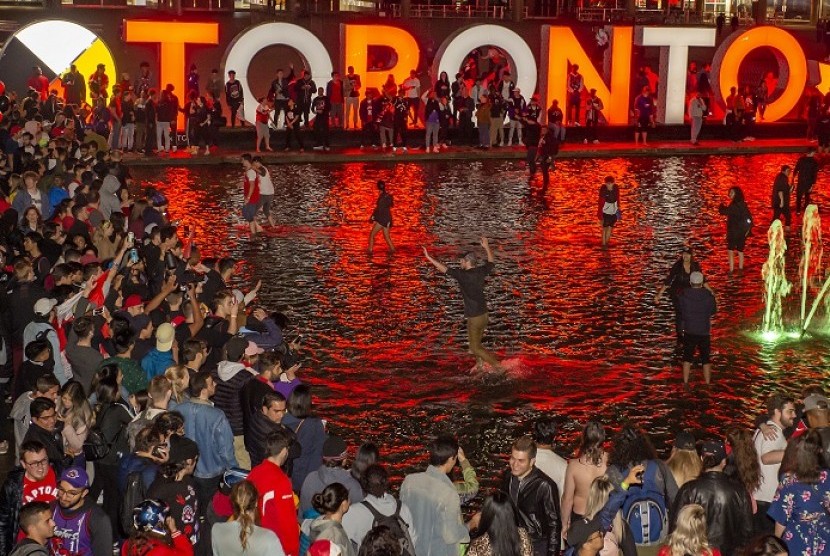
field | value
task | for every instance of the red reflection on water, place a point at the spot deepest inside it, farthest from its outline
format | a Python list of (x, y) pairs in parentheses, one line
[(386, 343)]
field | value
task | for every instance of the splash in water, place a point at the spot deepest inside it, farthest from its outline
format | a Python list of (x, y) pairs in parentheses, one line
[(776, 286), (810, 266)]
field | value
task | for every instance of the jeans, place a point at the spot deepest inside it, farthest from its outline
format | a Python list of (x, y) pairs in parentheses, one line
[(386, 136), (115, 136), (483, 135), (127, 136), (515, 125), (163, 132), (353, 109), (432, 132), (697, 125)]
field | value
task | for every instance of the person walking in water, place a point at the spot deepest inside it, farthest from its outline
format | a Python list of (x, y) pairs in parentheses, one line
[(471, 282), (381, 218), (609, 208), (676, 283), (738, 226)]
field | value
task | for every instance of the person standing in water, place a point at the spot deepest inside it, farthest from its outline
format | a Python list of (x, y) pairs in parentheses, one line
[(471, 282), (381, 218), (609, 208), (676, 282), (738, 226)]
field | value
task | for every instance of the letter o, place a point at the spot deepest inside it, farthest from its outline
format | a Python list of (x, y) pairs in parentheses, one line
[(455, 48), (246, 45), (792, 66)]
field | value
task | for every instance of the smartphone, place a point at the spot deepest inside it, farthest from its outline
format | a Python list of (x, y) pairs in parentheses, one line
[(298, 339), (130, 237), (159, 452), (133, 255)]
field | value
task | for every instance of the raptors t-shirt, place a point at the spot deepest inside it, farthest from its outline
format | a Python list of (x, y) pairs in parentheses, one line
[(45, 490)]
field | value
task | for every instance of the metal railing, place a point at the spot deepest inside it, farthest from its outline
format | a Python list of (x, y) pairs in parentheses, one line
[(444, 11)]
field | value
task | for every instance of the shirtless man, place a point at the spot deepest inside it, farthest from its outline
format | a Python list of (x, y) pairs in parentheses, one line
[(581, 472), (471, 282)]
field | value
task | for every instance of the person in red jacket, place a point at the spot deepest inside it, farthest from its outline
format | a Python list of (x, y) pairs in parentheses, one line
[(39, 83), (276, 498), (157, 534)]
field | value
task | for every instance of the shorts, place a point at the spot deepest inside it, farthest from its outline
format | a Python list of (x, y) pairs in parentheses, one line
[(736, 242), (692, 343), (608, 220), (249, 211), (643, 124)]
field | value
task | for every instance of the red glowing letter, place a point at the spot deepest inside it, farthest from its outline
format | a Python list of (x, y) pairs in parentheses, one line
[(172, 36), (792, 66), (356, 42)]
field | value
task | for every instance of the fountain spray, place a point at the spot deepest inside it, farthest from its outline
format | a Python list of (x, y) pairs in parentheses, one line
[(776, 286), (811, 254)]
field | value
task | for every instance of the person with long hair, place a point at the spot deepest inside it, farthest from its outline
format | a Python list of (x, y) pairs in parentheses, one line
[(240, 535), (77, 417), (367, 454), (738, 226), (179, 378), (689, 535), (332, 503), (743, 463), (311, 434), (174, 485), (381, 218), (380, 541), (618, 539), (32, 221), (591, 463), (499, 531), (684, 463), (679, 279), (156, 533), (801, 506)]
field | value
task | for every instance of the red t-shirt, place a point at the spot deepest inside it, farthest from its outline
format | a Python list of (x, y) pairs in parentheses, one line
[(276, 504), (45, 490)]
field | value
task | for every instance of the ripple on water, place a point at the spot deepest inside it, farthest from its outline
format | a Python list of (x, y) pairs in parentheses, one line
[(385, 341)]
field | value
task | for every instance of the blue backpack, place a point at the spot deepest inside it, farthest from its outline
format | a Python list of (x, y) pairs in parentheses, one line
[(645, 509)]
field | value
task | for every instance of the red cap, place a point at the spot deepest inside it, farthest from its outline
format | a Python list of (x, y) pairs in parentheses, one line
[(133, 301)]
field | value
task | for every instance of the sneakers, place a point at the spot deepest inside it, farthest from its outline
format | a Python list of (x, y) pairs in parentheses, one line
[(596, 141), (585, 141), (394, 149), (403, 149)]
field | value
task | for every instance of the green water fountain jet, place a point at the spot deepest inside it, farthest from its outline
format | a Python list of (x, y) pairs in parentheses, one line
[(776, 286), (810, 256)]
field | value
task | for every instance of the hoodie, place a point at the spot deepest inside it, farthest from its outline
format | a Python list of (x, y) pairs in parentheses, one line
[(324, 528), (156, 362), (109, 196), (318, 480), (231, 377)]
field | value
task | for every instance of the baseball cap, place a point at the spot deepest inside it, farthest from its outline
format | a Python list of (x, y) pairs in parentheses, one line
[(324, 547), (133, 300), (139, 322), (334, 448), (816, 401), (684, 441), (696, 278), (89, 258), (235, 348), (76, 477), (158, 200), (44, 305), (182, 449), (164, 336), (253, 349), (713, 448)]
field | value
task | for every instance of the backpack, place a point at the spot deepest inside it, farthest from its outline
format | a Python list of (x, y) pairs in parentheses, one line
[(134, 494), (396, 525), (96, 445), (29, 549), (645, 509)]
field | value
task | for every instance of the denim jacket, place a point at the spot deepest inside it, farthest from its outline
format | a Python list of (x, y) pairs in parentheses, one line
[(208, 427)]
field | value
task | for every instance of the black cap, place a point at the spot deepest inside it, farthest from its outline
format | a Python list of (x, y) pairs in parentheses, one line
[(182, 449), (713, 448), (334, 448), (684, 441)]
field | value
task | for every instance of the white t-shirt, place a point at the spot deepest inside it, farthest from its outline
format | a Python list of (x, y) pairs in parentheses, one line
[(266, 186), (552, 465), (413, 85), (769, 473)]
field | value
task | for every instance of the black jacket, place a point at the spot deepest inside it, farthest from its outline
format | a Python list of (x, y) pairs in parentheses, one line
[(256, 432), (54, 446), (10, 502), (728, 509), (538, 508)]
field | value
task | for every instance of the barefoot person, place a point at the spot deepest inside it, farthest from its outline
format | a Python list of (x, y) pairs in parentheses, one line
[(471, 282), (381, 218)]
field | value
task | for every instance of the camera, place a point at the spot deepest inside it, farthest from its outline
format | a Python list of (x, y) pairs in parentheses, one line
[(133, 255), (169, 261)]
